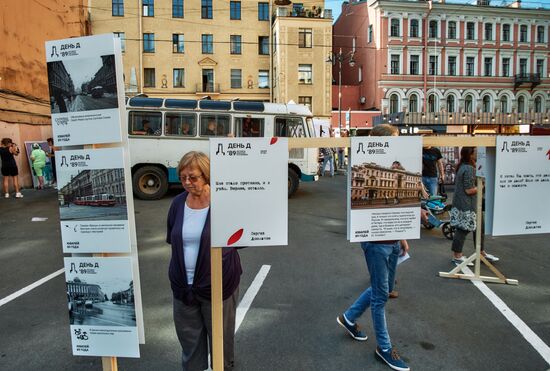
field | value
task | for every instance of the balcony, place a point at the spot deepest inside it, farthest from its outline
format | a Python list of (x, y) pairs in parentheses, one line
[(303, 12), (464, 122), (209, 88), (526, 78)]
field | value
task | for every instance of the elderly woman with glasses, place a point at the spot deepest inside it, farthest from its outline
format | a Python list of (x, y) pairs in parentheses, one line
[(189, 234)]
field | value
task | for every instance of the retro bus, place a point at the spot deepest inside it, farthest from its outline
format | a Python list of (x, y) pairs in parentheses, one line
[(161, 130)]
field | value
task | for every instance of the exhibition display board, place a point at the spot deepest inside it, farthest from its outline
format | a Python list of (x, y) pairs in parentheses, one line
[(249, 191), (85, 79), (522, 185), (384, 188)]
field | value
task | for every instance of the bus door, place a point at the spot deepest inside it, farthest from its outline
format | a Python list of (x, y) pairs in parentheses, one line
[(250, 126)]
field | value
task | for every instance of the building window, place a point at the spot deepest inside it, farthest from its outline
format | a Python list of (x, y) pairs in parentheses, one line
[(505, 32), (488, 31), (236, 79), (538, 104), (206, 9), (451, 103), (263, 45), (486, 103), (263, 11), (263, 79), (208, 80), (177, 43), (470, 66), (414, 65), (394, 69), (469, 104), (451, 34), (305, 74), (306, 101), (523, 33), (395, 28), (433, 65), (470, 30), (506, 67), (122, 37), (432, 103), (235, 45), (305, 37), (148, 8), (148, 42), (370, 33), (540, 68), (504, 104), (452, 66), (298, 10), (177, 8), (394, 103), (118, 8), (540, 34), (433, 30), (207, 44), (179, 77), (488, 66), (414, 32), (235, 10), (523, 66), (413, 103), (149, 77), (521, 104)]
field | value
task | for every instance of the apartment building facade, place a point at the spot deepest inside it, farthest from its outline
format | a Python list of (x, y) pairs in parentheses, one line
[(416, 56), (245, 50)]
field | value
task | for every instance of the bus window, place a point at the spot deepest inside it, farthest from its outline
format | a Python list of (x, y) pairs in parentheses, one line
[(249, 127), (180, 124), (144, 123), (215, 125), (291, 127)]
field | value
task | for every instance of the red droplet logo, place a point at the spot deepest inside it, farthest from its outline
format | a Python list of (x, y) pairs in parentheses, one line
[(273, 141), (235, 237)]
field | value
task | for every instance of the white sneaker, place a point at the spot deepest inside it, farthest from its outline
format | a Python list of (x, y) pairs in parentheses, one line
[(491, 258), (458, 261), (18, 195), (7, 195)]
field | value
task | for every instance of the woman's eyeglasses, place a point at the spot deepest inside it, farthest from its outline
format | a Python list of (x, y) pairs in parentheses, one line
[(191, 178)]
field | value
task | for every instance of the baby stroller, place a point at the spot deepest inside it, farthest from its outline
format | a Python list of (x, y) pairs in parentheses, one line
[(434, 208)]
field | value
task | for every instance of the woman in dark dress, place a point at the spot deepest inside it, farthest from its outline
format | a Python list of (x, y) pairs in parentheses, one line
[(8, 150)]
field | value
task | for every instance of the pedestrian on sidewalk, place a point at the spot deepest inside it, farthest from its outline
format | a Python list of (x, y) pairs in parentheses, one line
[(38, 158), (51, 155), (8, 151), (342, 151), (381, 257), (463, 213), (432, 169), (188, 231)]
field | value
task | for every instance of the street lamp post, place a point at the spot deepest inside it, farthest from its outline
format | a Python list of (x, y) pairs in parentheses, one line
[(340, 57)]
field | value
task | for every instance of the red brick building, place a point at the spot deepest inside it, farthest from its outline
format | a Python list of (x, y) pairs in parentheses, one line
[(417, 56)]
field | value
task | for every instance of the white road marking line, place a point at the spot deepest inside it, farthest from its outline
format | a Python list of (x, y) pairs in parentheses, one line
[(532, 338), (24, 290), (250, 294)]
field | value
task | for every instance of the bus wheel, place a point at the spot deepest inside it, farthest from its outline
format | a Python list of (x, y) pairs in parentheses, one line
[(293, 182), (150, 183)]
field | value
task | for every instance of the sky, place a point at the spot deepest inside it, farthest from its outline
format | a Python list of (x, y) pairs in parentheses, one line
[(336, 5)]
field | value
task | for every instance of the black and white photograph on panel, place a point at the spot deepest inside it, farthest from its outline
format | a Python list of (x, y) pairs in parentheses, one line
[(84, 84)]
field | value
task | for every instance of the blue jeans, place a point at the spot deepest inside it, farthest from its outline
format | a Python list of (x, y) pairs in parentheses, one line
[(341, 157), (431, 184), (381, 262), (330, 160)]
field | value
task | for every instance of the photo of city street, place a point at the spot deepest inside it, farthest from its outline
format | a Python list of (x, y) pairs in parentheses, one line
[(102, 298), (83, 84), (97, 194)]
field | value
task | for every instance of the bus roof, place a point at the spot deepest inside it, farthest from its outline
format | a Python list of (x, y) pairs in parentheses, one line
[(219, 105)]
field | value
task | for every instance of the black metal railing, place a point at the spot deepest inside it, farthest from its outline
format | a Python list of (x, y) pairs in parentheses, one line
[(527, 78)]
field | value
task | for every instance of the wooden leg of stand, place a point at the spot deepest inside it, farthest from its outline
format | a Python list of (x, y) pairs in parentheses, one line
[(109, 363), (217, 308)]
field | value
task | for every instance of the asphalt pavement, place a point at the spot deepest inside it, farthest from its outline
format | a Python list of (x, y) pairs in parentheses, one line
[(436, 323)]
